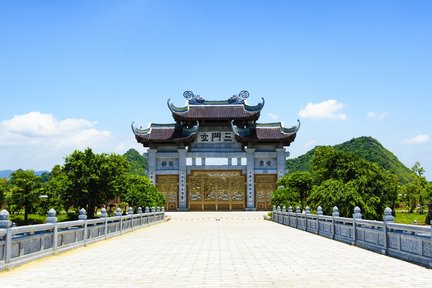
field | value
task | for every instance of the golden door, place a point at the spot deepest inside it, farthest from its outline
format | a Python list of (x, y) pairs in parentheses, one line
[(265, 185), (216, 190), (168, 186)]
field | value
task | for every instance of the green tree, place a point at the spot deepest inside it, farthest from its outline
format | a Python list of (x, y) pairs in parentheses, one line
[(293, 189), (93, 179), (3, 183), (355, 182), (52, 192), (418, 191), (139, 191), (137, 162), (24, 191)]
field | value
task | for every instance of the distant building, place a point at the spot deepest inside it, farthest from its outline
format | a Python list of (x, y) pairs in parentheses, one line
[(216, 156)]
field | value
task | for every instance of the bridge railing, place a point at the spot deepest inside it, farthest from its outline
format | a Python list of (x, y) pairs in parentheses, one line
[(19, 245), (407, 242)]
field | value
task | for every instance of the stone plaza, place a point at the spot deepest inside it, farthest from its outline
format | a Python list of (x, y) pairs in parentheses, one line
[(217, 249)]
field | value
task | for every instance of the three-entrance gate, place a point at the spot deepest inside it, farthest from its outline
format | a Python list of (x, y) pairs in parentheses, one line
[(216, 190)]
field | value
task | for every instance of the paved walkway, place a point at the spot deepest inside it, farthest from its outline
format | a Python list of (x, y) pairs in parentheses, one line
[(231, 249)]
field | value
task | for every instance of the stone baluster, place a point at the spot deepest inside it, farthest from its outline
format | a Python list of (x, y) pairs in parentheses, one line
[(307, 210), (319, 213), (130, 211), (104, 215), (298, 211), (119, 212), (83, 217), (357, 213), (356, 216), (290, 209), (284, 209), (147, 210), (388, 218), (153, 209), (51, 216), (5, 223), (82, 214), (4, 219), (335, 213), (139, 210)]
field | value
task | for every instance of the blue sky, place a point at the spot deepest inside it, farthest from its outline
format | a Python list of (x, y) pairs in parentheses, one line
[(77, 73)]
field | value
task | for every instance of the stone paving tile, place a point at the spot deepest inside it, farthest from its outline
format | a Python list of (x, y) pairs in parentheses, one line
[(218, 249)]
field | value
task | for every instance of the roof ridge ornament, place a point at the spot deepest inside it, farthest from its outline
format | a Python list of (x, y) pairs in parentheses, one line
[(193, 99), (240, 98)]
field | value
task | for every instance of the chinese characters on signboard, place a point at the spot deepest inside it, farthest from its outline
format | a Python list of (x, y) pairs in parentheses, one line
[(215, 137)]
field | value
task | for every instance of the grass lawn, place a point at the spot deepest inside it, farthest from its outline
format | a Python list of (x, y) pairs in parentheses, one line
[(408, 218)]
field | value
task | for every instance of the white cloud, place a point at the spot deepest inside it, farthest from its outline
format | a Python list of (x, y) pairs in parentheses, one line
[(272, 116), (419, 139), (379, 116), (329, 109), (39, 141)]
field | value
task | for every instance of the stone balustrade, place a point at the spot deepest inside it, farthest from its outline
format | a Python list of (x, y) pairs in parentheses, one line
[(22, 244), (412, 243)]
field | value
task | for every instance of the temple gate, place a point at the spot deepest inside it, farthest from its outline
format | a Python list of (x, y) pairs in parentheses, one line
[(216, 156)]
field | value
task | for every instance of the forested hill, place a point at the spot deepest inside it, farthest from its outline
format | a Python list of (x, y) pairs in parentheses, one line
[(137, 162), (365, 147)]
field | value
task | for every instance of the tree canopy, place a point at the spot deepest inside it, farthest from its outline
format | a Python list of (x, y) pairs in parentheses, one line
[(24, 191), (366, 148), (93, 179), (342, 179)]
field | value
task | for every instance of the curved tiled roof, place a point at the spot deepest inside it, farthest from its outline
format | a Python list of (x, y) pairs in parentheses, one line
[(216, 110), (165, 133), (266, 133)]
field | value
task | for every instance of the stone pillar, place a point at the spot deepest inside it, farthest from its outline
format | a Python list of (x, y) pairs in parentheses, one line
[(250, 180), (151, 165), (182, 180), (203, 161), (280, 162)]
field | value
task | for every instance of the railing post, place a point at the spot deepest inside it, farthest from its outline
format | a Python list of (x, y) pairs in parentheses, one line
[(83, 217), (278, 214), (319, 213), (298, 211), (139, 211), (105, 216), (53, 220), (5, 223), (290, 210), (119, 214), (147, 211), (335, 213), (388, 218), (357, 215), (153, 210), (307, 213), (130, 213)]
